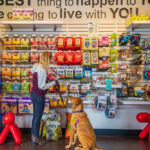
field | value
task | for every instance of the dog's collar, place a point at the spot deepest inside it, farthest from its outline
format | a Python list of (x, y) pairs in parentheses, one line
[(78, 111)]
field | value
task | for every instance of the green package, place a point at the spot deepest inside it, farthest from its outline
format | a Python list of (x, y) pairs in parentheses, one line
[(7, 87), (113, 55), (24, 58), (114, 68), (25, 87)]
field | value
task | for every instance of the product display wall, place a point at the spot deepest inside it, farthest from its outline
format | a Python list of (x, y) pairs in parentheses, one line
[(110, 70)]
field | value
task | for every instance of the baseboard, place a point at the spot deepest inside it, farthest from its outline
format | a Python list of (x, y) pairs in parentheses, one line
[(100, 132)]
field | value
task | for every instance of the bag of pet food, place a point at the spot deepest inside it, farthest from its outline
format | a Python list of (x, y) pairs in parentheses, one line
[(68, 125)]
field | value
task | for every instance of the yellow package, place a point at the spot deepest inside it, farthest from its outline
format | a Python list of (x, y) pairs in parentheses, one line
[(86, 59), (18, 14), (7, 58), (16, 42), (63, 88), (86, 43), (53, 102), (94, 58), (94, 43), (104, 52), (15, 73), (28, 14), (6, 73), (16, 58)]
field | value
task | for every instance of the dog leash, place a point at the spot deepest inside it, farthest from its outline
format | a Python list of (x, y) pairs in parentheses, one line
[(58, 90)]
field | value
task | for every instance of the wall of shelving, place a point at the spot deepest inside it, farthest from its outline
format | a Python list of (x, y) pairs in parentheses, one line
[(126, 116)]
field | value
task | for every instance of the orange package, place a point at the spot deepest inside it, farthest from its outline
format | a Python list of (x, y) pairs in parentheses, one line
[(69, 58), (60, 58), (68, 125)]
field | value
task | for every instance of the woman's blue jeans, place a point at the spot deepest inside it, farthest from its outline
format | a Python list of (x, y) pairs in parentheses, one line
[(38, 108)]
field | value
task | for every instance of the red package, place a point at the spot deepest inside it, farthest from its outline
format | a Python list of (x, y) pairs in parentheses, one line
[(34, 58), (69, 43), (61, 43), (77, 43), (60, 58), (77, 58), (42, 43), (69, 58)]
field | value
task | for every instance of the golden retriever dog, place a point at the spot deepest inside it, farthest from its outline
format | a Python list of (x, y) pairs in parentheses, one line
[(81, 127)]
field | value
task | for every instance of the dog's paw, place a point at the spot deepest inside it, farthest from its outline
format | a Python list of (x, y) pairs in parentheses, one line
[(67, 146)]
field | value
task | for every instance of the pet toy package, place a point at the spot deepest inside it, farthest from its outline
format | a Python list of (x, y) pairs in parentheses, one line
[(28, 14), (87, 73), (114, 68), (53, 102), (69, 73), (113, 39), (86, 43), (34, 42), (111, 112), (123, 54), (9, 104), (69, 43), (52, 42), (73, 88), (6, 74), (46, 109), (34, 58), (104, 53), (61, 73), (77, 58), (105, 41), (25, 87), (69, 58), (7, 58), (51, 130), (42, 43), (25, 43), (60, 58), (7, 87), (61, 41), (78, 73), (16, 58), (101, 102), (124, 39), (103, 65), (18, 14), (94, 59), (86, 59), (25, 106), (85, 88), (16, 87), (77, 43), (135, 39), (7, 41), (113, 55), (94, 43), (15, 74), (24, 58), (16, 42)]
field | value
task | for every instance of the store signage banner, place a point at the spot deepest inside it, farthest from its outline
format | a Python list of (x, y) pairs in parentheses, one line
[(74, 10)]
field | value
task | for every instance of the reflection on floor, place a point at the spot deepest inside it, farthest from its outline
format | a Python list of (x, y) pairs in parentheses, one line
[(106, 143)]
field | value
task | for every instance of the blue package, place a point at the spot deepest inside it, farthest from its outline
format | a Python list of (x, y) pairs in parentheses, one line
[(78, 73), (16, 87), (87, 73)]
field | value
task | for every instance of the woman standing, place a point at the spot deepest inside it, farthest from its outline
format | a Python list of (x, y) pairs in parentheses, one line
[(40, 87)]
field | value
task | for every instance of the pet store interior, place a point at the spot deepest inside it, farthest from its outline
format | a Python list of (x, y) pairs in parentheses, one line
[(100, 49)]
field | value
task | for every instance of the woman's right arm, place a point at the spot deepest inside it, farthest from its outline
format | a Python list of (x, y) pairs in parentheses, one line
[(42, 77)]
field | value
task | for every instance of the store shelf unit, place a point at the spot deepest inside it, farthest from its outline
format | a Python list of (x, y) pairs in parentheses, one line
[(134, 102), (30, 24), (139, 23)]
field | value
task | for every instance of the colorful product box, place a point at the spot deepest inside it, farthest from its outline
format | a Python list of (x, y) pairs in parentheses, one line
[(9, 105), (18, 14), (28, 14), (25, 106)]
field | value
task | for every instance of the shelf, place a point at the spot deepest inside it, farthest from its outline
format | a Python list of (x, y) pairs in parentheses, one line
[(30, 24), (104, 86), (84, 102), (135, 102), (140, 23)]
